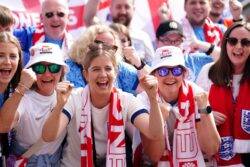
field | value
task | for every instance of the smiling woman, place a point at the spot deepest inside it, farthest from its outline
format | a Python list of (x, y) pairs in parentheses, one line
[(10, 70), (38, 93), (101, 114)]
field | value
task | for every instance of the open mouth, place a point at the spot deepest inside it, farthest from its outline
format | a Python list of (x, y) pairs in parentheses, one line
[(5, 72), (55, 26), (103, 84)]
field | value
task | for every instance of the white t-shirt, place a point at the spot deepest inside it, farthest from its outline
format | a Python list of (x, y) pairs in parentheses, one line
[(33, 111), (71, 153), (171, 119)]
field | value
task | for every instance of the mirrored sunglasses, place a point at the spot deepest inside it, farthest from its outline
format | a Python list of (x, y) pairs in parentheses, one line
[(164, 71), (234, 41), (41, 68), (51, 14)]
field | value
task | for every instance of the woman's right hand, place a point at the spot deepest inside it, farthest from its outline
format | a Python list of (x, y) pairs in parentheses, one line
[(219, 118)]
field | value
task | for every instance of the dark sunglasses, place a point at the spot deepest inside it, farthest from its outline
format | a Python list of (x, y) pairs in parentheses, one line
[(103, 45), (41, 68), (164, 71), (234, 41), (51, 14)]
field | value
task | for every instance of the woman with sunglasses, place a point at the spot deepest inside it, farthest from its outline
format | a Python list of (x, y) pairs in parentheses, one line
[(189, 125), (229, 95), (96, 133), (40, 95)]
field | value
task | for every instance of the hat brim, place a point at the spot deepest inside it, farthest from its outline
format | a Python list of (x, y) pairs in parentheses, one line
[(44, 59)]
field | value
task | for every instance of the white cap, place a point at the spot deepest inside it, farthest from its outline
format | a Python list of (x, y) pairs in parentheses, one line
[(168, 56), (45, 52)]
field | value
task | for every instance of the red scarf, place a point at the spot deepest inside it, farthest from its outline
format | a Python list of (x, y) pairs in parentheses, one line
[(116, 150), (186, 150), (213, 33), (234, 132)]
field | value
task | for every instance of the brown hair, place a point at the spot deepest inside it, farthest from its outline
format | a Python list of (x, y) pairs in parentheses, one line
[(6, 16), (6, 37), (97, 49), (222, 71)]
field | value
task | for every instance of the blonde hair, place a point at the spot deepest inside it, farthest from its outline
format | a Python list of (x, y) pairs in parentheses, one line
[(80, 48)]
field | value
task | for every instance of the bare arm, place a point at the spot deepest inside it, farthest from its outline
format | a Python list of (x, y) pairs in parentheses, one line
[(8, 114), (207, 133), (152, 125), (57, 121), (90, 11)]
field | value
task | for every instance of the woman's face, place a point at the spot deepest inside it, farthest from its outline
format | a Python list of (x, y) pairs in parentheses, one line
[(46, 82), (100, 76), (169, 85), (237, 53), (9, 59)]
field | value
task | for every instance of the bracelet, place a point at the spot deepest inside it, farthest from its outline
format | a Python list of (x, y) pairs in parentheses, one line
[(19, 92), (141, 66), (22, 85), (210, 50)]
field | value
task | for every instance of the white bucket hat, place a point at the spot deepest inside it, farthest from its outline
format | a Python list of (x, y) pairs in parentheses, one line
[(45, 52), (168, 56)]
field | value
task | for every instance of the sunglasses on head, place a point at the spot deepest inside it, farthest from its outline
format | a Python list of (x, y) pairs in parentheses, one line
[(103, 45), (51, 14), (234, 41), (164, 71), (41, 68)]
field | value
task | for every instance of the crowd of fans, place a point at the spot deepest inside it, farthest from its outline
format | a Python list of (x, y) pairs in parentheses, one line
[(112, 97)]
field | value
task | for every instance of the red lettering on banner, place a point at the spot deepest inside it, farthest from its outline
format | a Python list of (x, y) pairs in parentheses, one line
[(76, 17), (32, 6)]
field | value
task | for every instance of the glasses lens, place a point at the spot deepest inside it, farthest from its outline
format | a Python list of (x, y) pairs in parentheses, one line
[(54, 68), (49, 14), (177, 71), (60, 14), (39, 68), (163, 71), (245, 42), (232, 41)]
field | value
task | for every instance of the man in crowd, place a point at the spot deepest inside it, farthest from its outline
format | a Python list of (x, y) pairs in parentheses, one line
[(54, 18), (122, 11)]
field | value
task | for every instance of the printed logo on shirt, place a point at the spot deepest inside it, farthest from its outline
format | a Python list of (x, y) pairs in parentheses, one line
[(226, 148), (188, 164), (245, 120)]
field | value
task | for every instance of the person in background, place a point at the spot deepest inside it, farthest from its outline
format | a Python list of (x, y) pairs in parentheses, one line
[(10, 72), (217, 9), (39, 93), (96, 133), (126, 80), (197, 24), (189, 123), (228, 95), (122, 11), (6, 19), (54, 19)]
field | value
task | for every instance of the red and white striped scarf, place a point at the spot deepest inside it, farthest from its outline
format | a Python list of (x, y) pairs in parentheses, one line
[(234, 132), (116, 150), (39, 36), (186, 150)]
